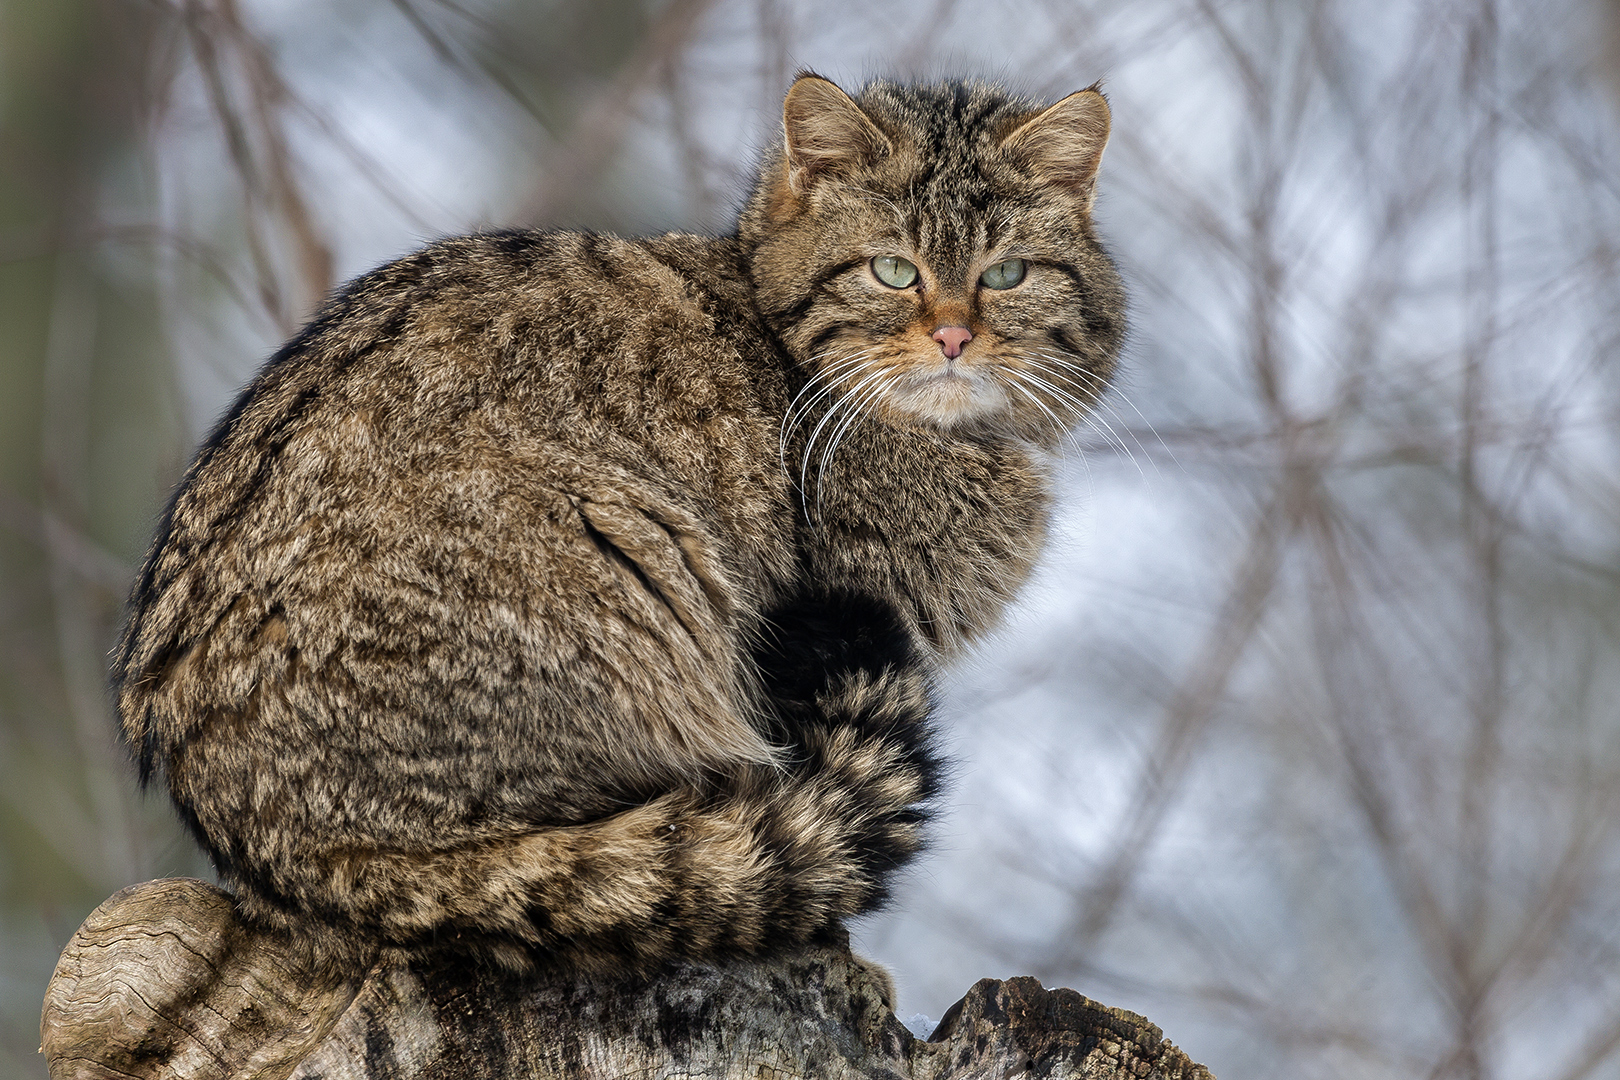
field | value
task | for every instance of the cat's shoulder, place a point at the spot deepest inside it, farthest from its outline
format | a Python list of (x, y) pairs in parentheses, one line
[(509, 264), (467, 284)]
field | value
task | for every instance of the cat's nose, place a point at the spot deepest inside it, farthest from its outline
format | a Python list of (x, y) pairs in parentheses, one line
[(951, 339)]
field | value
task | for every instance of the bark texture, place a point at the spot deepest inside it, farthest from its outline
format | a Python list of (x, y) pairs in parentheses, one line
[(164, 980)]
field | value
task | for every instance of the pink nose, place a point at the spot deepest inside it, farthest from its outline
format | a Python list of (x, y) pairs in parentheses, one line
[(951, 339)]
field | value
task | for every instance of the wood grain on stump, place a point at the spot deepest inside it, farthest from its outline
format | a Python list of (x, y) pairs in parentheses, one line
[(164, 980)]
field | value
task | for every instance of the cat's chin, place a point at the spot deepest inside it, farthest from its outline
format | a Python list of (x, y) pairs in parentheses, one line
[(947, 400)]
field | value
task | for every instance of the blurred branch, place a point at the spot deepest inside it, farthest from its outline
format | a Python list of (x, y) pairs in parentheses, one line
[(445, 48), (924, 45), (94, 564), (694, 159), (597, 133), (1187, 715), (260, 152), (776, 40), (1342, 637), (204, 255), (77, 615), (1599, 1049), (1482, 300)]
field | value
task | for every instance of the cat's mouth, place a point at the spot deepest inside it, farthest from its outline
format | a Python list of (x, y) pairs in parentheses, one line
[(950, 374), (947, 394)]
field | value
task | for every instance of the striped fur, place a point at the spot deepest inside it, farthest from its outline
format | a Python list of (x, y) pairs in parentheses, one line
[(490, 621)]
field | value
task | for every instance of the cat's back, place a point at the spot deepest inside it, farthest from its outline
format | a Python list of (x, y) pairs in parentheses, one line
[(511, 457), (577, 336), (478, 353)]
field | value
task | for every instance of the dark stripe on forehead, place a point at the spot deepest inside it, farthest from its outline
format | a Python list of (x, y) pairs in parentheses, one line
[(954, 196), (942, 113), (998, 221)]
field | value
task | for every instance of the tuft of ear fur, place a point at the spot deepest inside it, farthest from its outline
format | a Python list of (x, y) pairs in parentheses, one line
[(826, 131), (1064, 143)]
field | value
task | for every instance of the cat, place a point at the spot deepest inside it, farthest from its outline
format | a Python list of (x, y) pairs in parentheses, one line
[(555, 598)]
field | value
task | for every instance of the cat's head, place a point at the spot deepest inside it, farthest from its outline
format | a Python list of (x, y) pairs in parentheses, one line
[(926, 252)]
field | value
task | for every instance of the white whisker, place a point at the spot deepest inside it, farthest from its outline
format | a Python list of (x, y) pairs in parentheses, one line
[(797, 413), (828, 374), (1059, 368), (1115, 391), (1060, 430), (822, 371), (837, 437), (1087, 414), (1080, 405), (842, 402)]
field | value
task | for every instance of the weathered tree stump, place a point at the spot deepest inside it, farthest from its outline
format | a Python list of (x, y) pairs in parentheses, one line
[(164, 980)]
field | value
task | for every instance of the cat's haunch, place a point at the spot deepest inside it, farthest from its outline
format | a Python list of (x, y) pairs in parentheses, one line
[(569, 599)]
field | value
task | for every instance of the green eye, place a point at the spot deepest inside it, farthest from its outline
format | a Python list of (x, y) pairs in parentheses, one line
[(1003, 275), (894, 271)]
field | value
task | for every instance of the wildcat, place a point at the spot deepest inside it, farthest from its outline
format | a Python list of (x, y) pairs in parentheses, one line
[(561, 598)]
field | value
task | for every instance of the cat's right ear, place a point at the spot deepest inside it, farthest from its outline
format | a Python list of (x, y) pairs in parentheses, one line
[(1064, 143), (826, 132)]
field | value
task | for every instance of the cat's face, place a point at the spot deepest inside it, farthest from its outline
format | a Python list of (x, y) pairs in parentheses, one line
[(927, 254)]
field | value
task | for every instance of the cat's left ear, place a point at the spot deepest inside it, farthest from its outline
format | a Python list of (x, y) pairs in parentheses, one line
[(826, 132), (1064, 144)]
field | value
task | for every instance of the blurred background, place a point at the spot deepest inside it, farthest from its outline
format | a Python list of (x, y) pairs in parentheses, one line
[(1305, 741)]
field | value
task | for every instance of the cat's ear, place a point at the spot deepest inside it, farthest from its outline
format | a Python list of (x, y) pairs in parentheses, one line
[(826, 132), (1064, 144)]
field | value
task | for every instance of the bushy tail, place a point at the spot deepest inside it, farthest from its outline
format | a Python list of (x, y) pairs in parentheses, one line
[(761, 859)]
